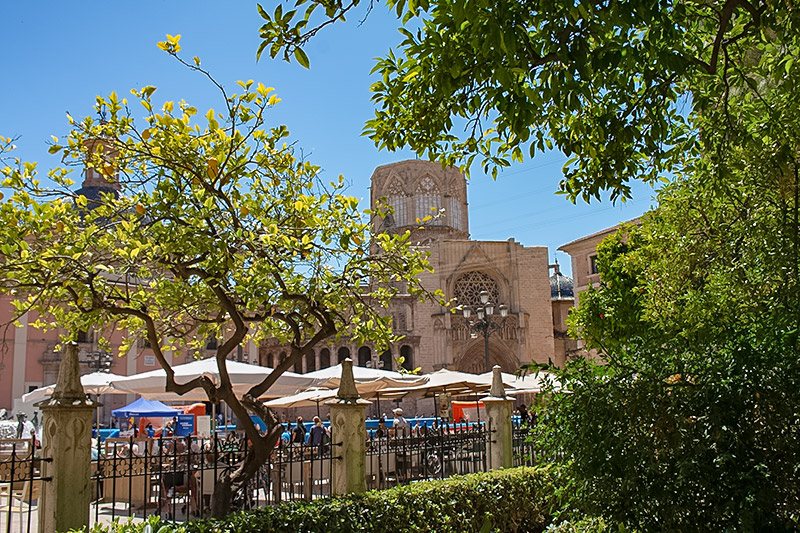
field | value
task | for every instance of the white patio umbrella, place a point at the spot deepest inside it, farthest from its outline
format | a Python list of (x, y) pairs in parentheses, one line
[(367, 379), (152, 385), (530, 383), (441, 381), (94, 383), (308, 398)]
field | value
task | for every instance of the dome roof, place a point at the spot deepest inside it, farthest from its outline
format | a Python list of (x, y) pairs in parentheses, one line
[(561, 287), (94, 193)]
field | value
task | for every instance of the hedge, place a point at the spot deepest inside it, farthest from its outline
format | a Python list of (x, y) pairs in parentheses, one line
[(511, 500)]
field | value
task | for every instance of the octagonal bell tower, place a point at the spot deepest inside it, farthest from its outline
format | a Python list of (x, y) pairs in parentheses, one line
[(419, 189)]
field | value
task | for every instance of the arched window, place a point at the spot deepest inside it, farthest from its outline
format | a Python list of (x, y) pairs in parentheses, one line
[(324, 358), (364, 356), (298, 366), (343, 353), (454, 212), (269, 360), (399, 201), (311, 363), (407, 353), (386, 359), (428, 201), (468, 287), (400, 215)]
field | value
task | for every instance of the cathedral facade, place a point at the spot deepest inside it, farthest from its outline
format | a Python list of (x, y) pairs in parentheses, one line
[(431, 203)]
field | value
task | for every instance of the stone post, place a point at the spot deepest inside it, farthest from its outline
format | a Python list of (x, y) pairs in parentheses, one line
[(66, 446), (348, 435), (498, 411)]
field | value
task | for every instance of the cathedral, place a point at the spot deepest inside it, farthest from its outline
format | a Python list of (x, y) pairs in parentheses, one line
[(524, 311), (525, 308)]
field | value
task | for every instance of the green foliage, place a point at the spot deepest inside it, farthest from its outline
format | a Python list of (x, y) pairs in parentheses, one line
[(513, 500), (217, 229), (583, 525), (618, 87), (194, 228), (691, 422)]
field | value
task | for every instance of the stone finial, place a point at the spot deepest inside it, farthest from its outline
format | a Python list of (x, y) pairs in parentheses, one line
[(347, 384), (68, 385), (498, 390)]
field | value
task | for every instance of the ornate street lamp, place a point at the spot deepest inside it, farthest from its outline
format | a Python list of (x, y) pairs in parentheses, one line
[(484, 322)]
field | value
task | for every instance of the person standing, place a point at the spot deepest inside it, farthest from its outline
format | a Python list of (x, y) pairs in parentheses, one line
[(299, 432), (523, 414), (400, 424), (320, 436), (382, 432)]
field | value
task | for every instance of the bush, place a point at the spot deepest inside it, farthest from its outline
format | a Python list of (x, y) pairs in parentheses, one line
[(511, 500)]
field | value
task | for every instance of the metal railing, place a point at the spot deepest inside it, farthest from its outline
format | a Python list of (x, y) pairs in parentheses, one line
[(175, 477), (20, 484), (396, 456), (522, 438)]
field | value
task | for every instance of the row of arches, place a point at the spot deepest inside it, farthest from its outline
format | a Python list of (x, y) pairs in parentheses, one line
[(326, 357)]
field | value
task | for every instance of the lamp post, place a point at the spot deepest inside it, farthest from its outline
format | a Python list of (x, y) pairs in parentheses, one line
[(483, 324)]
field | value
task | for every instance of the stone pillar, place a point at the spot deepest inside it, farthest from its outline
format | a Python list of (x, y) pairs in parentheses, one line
[(498, 411), (66, 441), (348, 435)]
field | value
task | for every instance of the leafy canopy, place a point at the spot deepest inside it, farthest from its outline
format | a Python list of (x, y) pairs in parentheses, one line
[(691, 419), (199, 225), (617, 86)]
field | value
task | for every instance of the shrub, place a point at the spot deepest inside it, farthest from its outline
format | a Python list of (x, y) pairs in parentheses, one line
[(511, 500)]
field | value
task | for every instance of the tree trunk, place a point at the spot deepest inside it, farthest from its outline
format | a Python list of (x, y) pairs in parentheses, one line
[(230, 491)]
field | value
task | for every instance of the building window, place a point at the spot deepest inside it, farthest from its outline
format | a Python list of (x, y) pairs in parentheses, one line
[(400, 214), (343, 354), (311, 363), (593, 264), (298, 366), (324, 358), (269, 360), (467, 289), (408, 357), (83, 337), (428, 201), (364, 356), (454, 214), (211, 343), (402, 323), (385, 361)]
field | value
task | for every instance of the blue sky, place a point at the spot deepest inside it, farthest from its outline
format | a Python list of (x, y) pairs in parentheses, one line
[(56, 56)]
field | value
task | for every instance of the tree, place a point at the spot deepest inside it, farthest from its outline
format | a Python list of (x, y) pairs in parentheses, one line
[(615, 85), (209, 228), (690, 421)]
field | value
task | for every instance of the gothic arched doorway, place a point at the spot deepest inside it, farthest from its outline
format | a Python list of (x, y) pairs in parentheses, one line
[(473, 357)]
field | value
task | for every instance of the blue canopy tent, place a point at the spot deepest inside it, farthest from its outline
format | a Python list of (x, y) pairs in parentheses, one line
[(144, 407)]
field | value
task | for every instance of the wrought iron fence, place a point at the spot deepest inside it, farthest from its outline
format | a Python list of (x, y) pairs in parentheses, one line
[(523, 445), (396, 456), (175, 477), (20, 484)]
